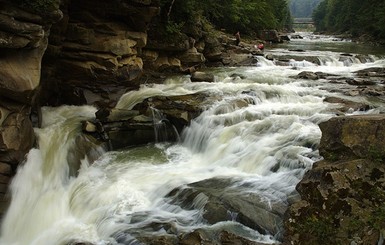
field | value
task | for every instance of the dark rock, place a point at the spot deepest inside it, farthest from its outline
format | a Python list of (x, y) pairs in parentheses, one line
[(342, 196), (199, 236), (296, 36), (287, 58), (353, 137), (199, 76), (179, 110), (359, 82), (270, 36), (94, 56), (156, 119), (221, 201), (371, 72), (347, 105), (307, 75)]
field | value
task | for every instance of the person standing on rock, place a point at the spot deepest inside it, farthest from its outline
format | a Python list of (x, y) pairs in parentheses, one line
[(237, 38)]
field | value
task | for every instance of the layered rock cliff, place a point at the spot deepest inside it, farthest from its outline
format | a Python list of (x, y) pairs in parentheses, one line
[(63, 52), (23, 41)]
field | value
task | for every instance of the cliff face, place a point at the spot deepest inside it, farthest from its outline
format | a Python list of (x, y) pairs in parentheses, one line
[(23, 41), (63, 52), (94, 51)]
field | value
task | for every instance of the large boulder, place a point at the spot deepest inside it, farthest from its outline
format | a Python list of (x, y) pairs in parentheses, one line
[(353, 137), (155, 119), (270, 36), (23, 41), (342, 197), (221, 203)]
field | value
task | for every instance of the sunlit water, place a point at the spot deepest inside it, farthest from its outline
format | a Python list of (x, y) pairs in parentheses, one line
[(268, 143)]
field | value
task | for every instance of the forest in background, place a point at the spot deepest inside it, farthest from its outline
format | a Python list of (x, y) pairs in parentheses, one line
[(303, 8), (353, 17), (246, 16)]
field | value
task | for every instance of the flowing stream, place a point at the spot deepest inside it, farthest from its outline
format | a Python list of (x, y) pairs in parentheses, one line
[(263, 147)]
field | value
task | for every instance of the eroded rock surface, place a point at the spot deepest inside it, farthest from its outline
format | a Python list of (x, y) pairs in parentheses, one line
[(23, 41), (343, 195)]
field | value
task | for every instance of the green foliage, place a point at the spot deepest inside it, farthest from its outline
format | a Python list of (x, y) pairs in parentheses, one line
[(353, 16), (174, 28), (39, 6), (247, 16)]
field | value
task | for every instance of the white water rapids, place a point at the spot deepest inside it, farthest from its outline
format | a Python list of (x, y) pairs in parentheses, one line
[(268, 144)]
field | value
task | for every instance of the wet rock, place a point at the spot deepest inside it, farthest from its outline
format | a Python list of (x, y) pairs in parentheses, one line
[(222, 203), (155, 119), (348, 105), (364, 58), (16, 139), (230, 238), (296, 57), (179, 110), (16, 136), (360, 82), (374, 92), (342, 196), (296, 36), (307, 75), (86, 147), (158, 240), (313, 75), (89, 127), (297, 50), (371, 72), (199, 76), (200, 236)]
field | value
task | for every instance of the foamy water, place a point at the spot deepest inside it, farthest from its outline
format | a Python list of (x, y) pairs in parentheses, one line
[(264, 144)]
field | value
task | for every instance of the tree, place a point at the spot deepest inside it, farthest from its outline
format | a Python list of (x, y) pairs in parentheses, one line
[(247, 16), (351, 16)]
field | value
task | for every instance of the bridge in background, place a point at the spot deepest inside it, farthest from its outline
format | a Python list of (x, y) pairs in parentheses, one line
[(303, 21)]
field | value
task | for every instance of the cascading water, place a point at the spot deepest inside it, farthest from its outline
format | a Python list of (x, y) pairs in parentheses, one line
[(260, 137), (164, 130)]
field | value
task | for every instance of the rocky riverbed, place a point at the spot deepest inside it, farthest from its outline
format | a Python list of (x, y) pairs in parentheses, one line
[(82, 53)]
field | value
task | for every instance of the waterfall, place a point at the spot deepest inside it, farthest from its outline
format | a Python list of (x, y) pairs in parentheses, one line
[(39, 191), (164, 130), (259, 139)]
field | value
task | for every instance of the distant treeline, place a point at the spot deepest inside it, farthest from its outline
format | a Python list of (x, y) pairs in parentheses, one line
[(247, 16), (355, 17), (302, 8)]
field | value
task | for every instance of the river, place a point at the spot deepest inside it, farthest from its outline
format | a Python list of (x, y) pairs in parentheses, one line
[(262, 150)]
